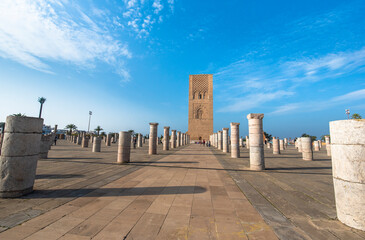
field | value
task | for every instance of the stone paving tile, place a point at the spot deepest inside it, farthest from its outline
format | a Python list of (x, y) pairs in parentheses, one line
[(295, 197), (192, 192)]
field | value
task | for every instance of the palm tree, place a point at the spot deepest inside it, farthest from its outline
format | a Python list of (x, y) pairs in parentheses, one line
[(356, 116), (41, 100), (98, 129), (71, 127)]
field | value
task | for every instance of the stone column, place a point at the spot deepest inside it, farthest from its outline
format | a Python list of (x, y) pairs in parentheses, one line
[(247, 142), (235, 134), (124, 147), (285, 143), (257, 161), (152, 148), (44, 146), (97, 144), (108, 140), (173, 138), (225, 145), (85, 142), (281, 144), (328, 145), (268, 144), (316, 146), (19, 155), (241, 141), (275, 146), (139, 140), (79, 140), (299, 144), (178, 144), (166, 138), (181, 139), (348, 164), (307, 152), (220, 140)]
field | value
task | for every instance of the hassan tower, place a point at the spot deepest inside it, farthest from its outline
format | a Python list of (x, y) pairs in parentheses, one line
[(200, 106)]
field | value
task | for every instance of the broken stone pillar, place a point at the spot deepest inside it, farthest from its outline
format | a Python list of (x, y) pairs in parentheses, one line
[(235, 134), (320, 144), (225, 146), (348, 165), (241, 141), (281, 144), (79, 140), (44, 146), (19, 155), (75, 139), (307, 152), (269, 145), (178, 144), (247, 142), (275, 146), (85, 142), (124, 147), (285, 143), (108, 140), (316, 146), (152, 148), (255, 129), (220, 140), (97, 144), (166, 138), (139, 140), (299, 145), (328, 145), (173, 138)]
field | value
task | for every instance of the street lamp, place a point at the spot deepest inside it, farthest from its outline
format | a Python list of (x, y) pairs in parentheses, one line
[(90, 113), (347, 111)]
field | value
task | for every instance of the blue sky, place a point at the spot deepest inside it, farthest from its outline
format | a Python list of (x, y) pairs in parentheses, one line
[(301, 63)]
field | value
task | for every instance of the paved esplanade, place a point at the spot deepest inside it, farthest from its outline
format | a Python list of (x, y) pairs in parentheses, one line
[(183, 195)]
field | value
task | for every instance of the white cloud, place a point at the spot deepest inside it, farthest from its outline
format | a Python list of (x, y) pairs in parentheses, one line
[(254, 100), (158, 6), (141, 17), (317, 105), (33, 32)]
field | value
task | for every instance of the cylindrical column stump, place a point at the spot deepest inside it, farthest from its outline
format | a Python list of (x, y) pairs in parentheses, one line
[(85, 142), (96, 144), (281, 144), (124, 147), (328, 145), (307, 152), (152, 148), (257, 161), (275, 146), (316, 146), (166, 138), (235, 134), (299, 145), (139, 140), (19, 155), (220, 140), (173, 138), (225, 145), (348, 169), (178, 143)]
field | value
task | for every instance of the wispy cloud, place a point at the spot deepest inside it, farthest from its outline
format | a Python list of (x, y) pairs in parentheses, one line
[(319, 105), (39, 31), (142, 15), (245, 80)]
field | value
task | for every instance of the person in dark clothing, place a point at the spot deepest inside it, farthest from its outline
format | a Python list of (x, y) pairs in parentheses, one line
[(55, 140)]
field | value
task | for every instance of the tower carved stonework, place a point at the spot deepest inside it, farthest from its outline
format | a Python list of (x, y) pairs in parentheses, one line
[(200, 106)]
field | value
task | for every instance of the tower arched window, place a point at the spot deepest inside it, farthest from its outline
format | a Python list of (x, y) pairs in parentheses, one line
[(200, 95), (199, 114)]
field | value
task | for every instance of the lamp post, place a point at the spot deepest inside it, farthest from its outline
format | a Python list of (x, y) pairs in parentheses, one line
[(347, 111), (90, 113)]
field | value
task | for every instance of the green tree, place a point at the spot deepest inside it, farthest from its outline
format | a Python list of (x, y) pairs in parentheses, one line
[(103, 134), (19, 115), (71, 127), (98, 129), (268, 136), (312, 137), (41, 100), (356, 116)]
